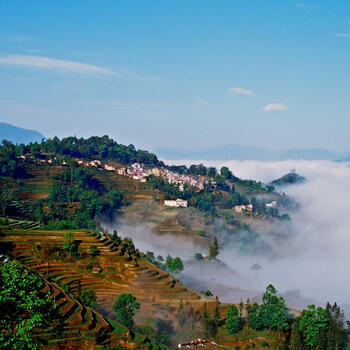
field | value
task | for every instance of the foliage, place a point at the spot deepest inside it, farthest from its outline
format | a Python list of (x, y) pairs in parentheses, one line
[(233, 320), (23, 308), (289, 179), (88, 298), (272, 314), (69, 245), (98, 147), (214, 249), (125, 307), (77, 185), (313, 326), (174, 264), (207, 293)]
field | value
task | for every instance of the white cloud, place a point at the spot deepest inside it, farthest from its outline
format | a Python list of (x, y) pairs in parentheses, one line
[(199, 101), (240, 91), (343, 35), (55, 64), (275, 107)]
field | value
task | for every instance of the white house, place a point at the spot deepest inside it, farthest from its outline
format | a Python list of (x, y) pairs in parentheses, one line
[(179, 203), (273, 204), (109, 167)]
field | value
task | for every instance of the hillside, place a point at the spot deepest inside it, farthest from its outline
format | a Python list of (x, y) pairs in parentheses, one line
[(18, 135), (61, 202)]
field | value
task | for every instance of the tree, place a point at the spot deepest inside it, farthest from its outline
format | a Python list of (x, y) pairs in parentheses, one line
[(177, 265), (273, 310), (68, 243), (225, 172), (313, 324), (216, 316), (23, 307), (214, 249), (241, 308), (255, 320), (233, 321), (296, 340), (336, 334), (125, 307), (88, 298)]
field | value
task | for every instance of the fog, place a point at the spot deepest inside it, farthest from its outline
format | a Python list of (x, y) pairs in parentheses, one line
[(313, 263)]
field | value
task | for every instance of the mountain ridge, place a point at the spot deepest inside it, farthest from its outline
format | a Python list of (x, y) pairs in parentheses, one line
[(18, 135)]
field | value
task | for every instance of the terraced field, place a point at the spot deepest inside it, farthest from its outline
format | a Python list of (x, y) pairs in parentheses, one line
[(119, 272), (84, 328)]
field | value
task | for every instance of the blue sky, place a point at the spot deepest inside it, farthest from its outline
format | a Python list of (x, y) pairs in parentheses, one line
[(184, 74)]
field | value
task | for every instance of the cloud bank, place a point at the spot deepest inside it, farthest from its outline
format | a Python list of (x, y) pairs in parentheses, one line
[(314, 259), (55, 64)]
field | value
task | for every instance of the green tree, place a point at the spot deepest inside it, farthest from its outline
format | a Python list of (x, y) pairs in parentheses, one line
[(177, 265), (214, 249), (68, 243), (273, 310), (233, 321), (125, 307), (225, 172), (313, 324), (255, 320), (88, 298), (23, 308), (336, 334)]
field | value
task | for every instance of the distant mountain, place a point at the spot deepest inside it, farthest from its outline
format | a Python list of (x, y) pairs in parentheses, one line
[(18, 135), (247, 153)]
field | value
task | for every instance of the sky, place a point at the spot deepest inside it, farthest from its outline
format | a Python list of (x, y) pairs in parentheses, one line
[(179, 74)]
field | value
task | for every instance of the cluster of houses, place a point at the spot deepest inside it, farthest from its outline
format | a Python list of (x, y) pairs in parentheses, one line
[(138, 172)]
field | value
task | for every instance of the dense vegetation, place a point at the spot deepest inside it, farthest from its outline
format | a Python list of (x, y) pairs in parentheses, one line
[(23, 308), (316, 328)]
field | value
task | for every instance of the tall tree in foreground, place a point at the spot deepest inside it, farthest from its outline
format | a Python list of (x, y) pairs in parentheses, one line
[(23, 308), (125, 307)]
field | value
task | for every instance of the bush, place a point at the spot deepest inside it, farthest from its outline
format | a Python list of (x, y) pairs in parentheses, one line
[(88, 298)]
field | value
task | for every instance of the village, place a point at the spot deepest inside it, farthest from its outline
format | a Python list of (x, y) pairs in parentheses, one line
[(140, 173)]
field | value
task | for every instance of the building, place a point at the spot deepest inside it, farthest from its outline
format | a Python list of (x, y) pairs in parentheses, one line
[(109, 167), (155, 172), (96, 163), (179, 203), (243, 208), (272, 204)]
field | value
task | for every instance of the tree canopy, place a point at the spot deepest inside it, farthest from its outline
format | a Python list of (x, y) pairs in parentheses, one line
[(23, 308)]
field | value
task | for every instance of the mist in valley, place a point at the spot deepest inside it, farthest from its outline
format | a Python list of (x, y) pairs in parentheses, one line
[(312, 260)]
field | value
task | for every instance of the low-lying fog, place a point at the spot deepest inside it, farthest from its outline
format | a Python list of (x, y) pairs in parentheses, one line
[(314, 262)]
